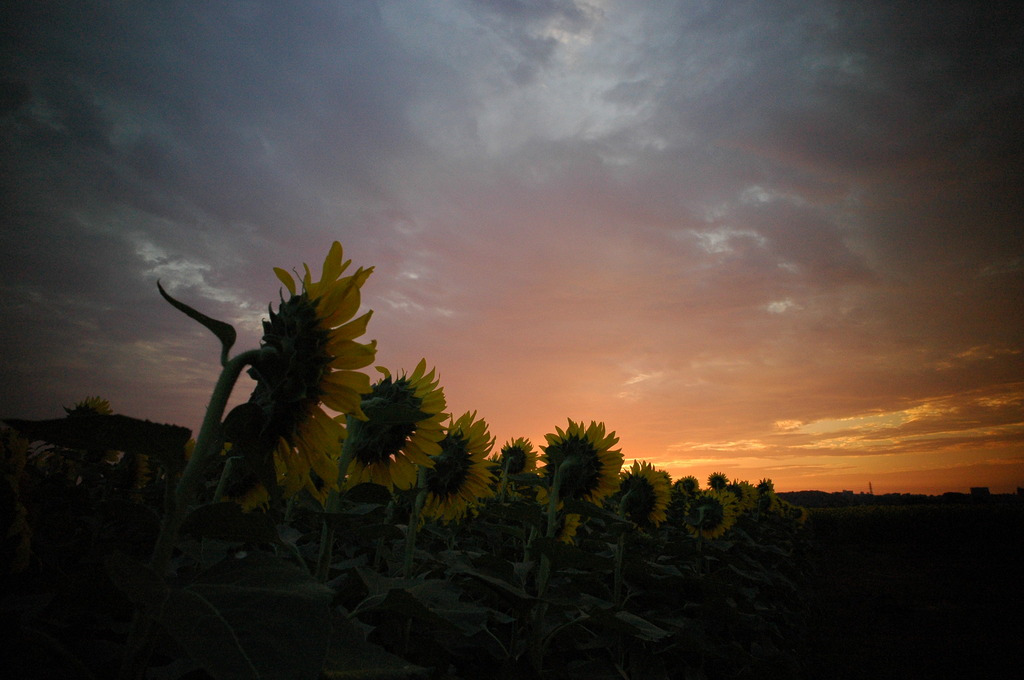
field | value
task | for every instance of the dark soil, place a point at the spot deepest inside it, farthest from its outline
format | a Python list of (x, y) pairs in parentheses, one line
[(894, 610)]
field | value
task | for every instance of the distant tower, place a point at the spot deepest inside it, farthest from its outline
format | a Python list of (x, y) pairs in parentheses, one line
[(871, 489)]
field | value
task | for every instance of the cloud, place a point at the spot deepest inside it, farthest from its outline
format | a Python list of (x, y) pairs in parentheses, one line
[(719, 224)]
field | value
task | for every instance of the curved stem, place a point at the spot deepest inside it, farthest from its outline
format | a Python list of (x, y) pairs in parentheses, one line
[(208, 445), (544, 573), (414, 522), (333, 504), (176, 503), (504, 478), (225, 476), (620, 551), (700, 539), (540, 609)]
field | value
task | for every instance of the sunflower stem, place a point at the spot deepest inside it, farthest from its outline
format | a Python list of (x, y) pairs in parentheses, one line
[(414, 521), (556, 487), (620, 551), (333, 504), (208, 445), (225, 475), (544, 573), (700, 539), (540, 610), (504, 478), (176, 504), (389, 515)]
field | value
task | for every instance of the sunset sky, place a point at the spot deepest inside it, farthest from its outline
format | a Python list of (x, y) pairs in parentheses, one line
[(771, 239)]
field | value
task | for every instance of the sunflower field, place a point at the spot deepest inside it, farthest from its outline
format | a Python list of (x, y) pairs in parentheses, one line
[(334, 526)]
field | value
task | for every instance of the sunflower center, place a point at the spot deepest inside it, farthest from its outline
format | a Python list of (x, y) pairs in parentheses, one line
[(718, 481), (451, 467), (514, 460), (288, 381), (638, 498), (242, 481), (381, 442), (685, 487), (710, 511), (583, 475)]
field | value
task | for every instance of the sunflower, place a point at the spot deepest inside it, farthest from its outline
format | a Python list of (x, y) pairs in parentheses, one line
[(592, 466), (687, 486), (767, 501), (140, 474), (712, 513), (568, 524), (517, 456), (717, 481), (644, 494), (388, 453), (90, 406), (666, 476), (15, 532), (746, 495), (309, 361), (461, 475), (95, 406), (799, 513), (247, 491)]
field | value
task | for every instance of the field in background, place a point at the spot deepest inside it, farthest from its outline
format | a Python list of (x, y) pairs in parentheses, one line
[(918, 591)]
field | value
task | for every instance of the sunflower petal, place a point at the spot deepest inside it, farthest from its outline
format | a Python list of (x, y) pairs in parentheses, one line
[(286, 279)]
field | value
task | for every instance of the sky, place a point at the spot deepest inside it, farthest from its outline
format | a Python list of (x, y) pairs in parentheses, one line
[(770, 239)]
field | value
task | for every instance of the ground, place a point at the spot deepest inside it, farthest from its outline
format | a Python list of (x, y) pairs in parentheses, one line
[(893, 610)]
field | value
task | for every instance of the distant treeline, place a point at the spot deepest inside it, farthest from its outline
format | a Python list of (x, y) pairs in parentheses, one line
[(843, 499)]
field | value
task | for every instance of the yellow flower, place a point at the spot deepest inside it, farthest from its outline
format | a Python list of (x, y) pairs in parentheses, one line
[(746, 495), (249, 493), (95, 406), (592, 466), (461, 475), (712, 513), (568, 525), (717, 481), (666, 476), (243, 485), (518, 455), (309, 363), (90, 406), (767, 501), (644, 494), (687, 487), (389, 453), (15, 533)]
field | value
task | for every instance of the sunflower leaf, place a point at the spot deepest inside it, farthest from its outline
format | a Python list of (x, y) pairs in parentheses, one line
[(435, 603), (625, 622), (350, 657), (225, 332), (588, 509), (252, 618), (564, 555), (228, 522), (137, 581)]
